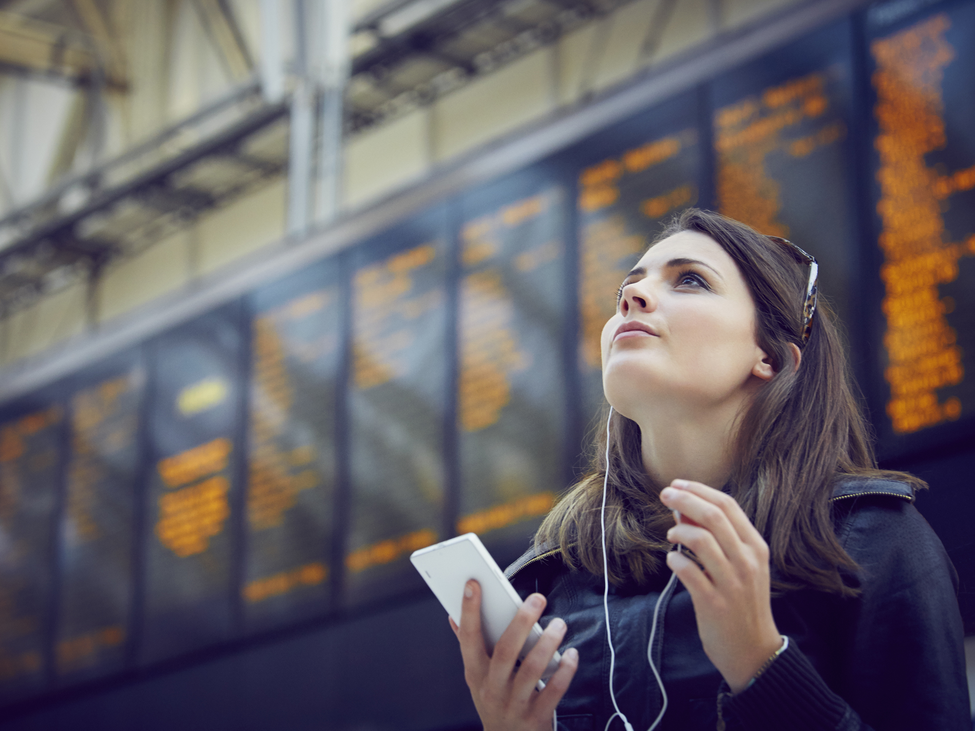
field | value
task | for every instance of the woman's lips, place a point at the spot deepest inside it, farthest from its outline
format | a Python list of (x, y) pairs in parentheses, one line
[(634, 330)]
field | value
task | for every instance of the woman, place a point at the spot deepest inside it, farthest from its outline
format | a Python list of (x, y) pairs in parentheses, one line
[(811, 594)]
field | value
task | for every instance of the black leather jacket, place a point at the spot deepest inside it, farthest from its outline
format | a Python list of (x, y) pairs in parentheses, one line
[(888, 660)]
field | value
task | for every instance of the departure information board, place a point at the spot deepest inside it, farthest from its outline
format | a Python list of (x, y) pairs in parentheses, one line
[(31, 463), (194, 425), (296, 356), (98, 521), (278, 458), (397, 400), (630, 179), (511, 396), (782, 152), (924, 192)]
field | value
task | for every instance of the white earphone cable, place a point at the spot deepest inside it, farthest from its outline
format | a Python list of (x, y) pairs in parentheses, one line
[(609, 635), (656, 611), (653, 631)]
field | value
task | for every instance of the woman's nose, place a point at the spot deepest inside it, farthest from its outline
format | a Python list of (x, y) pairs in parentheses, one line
[(637, 296)]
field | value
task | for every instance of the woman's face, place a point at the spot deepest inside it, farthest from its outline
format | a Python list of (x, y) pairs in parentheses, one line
[(683, 333)]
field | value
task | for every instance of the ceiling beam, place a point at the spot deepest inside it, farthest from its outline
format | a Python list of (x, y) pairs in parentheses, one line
[(108, 47), (222, 27), (46, 49)]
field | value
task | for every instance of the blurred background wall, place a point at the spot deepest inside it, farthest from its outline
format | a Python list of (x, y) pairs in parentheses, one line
[(289, 288)]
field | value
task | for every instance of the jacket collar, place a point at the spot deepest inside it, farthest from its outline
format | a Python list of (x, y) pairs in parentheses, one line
[(530, 556)]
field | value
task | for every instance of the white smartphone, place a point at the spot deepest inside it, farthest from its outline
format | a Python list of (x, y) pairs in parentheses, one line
[(448, 566)]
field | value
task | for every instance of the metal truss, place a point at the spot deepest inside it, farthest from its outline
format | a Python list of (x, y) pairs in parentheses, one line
[(436, 55), (141, 197)]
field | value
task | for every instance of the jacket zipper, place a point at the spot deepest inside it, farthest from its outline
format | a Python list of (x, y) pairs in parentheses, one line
[(863, 494)]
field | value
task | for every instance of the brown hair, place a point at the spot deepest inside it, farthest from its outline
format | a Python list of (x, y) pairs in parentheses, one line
[(802, 430)]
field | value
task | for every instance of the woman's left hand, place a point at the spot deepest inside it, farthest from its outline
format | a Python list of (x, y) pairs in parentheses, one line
[(731, 595)]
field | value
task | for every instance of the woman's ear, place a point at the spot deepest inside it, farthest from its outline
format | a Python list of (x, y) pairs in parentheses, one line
[(763, 369)]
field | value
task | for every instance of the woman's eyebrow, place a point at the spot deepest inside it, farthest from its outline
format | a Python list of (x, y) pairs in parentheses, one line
[(683, 262), (672, 264)]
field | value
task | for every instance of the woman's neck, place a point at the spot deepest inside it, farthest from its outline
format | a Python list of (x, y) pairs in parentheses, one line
[(689, 449)]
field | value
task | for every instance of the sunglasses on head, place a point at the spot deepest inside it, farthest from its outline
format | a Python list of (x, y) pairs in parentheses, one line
[(812, 292)]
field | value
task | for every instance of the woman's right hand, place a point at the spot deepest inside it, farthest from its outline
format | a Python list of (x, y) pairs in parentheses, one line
[(505, 696)]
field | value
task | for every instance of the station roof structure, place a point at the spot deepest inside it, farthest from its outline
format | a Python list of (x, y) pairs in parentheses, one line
[(405, 54)]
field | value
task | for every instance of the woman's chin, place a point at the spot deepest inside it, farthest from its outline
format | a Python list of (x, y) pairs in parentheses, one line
[(633, 375), (628, 396)]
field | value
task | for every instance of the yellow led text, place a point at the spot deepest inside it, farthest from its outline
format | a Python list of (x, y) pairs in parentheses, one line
[(507, 514), (388, 551), (312, 574), (82, 651), (202, 395), (923, 355), (195, 463)]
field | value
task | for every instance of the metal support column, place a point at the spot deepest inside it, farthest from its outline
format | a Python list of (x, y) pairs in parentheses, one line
[(333, 74), (18, 143), (300, 159), (272, 58), (302, 140)]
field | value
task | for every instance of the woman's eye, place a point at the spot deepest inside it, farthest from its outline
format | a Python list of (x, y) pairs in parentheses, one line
[(692, 279)]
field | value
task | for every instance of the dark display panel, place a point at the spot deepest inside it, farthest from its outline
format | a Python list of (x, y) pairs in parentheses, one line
[(397, 399), (296, 353), (31, 464), (922, 73), (782, 151), (512, 308), (98, 522), (631, 179), (194, 422), (279, 458)]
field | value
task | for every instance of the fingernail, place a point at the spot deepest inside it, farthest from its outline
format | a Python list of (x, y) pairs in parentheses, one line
[(571, 654), (557, 624), (535, 601), (468, 590), (667, 493), (679, 483)]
